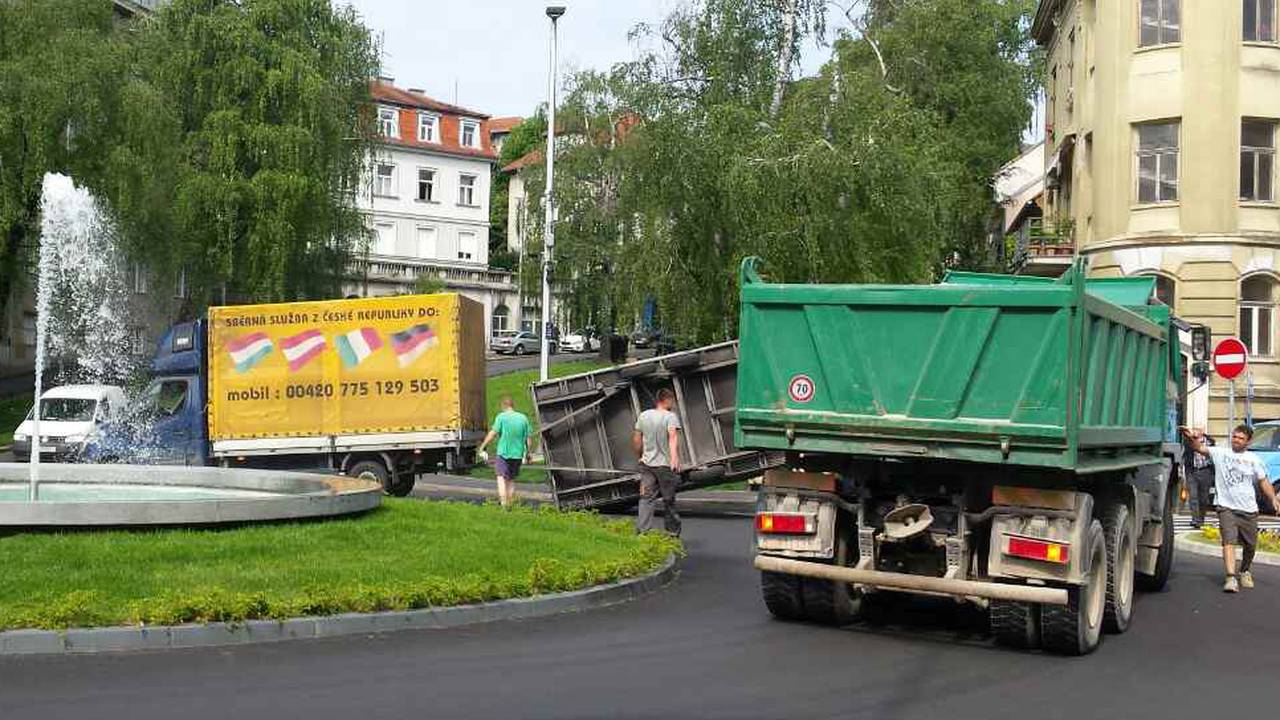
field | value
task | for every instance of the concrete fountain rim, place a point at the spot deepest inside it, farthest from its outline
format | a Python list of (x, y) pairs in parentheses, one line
[(292, 495)]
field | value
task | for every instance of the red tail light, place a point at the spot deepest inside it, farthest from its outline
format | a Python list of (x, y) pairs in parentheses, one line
[(1043, 550), (785, 523)]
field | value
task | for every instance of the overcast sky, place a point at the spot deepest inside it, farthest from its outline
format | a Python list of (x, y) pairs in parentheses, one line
[(496, 51)]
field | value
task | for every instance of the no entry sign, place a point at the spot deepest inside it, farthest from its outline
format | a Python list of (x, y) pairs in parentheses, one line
[(1229, 358)]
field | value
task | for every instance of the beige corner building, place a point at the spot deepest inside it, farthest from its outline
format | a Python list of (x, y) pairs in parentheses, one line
[(1160, 146)]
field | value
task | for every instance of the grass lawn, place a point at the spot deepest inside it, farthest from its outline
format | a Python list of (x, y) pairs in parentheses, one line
[(528, 473), (407, 554), (517, 384), (12, 412)]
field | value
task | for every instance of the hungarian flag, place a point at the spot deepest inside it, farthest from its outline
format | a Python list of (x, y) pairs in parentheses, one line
[(302, 348), (355, 346), (249, 350), (412, 342)]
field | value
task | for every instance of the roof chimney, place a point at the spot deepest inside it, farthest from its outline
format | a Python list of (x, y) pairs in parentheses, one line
[(387, 79), (418, 91)]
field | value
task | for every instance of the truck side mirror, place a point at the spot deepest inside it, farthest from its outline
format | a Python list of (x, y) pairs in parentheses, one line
[(1201, 338)]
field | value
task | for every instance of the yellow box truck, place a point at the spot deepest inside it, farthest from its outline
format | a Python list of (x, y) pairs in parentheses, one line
[(382, 388)]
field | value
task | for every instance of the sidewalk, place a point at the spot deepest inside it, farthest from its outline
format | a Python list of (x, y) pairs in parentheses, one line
[(693, 502)]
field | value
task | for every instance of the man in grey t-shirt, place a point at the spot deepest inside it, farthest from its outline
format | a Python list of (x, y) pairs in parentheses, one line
[(656, 441), (1238, 474)]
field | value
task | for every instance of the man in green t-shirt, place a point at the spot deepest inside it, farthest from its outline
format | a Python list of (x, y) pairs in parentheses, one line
[(515, 442)]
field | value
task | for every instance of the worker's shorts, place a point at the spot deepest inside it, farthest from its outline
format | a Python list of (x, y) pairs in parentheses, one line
[(507, 468), (1238, 527)]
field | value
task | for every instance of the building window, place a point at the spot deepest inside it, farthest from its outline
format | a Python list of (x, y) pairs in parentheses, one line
[(466, 246), (501, 319), (139, 279), (466, 189), (389, 122), (1161, 22), (469, 134), (428, 128), (1257, 160), (427, 243), (1158, 162), (426, 184), (137, 340), (1257, 314), (384, 181), (386, 242), (1260, 20), (1165, 290)]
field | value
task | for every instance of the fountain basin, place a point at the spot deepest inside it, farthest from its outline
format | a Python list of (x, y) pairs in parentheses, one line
[(157, 495)]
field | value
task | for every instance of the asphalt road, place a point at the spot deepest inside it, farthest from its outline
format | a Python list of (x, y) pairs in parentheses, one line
[(703, 647), (499, 364)]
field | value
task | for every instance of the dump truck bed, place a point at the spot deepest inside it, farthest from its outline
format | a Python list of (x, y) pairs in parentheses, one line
[(981, 368), (587, 422)]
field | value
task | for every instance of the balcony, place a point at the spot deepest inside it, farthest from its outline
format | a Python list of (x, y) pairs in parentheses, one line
[(1042, 248), (403, 273)]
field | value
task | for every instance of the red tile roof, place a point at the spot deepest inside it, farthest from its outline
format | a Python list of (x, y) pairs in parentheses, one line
[(524, 161), (449, 128), (504, 124)]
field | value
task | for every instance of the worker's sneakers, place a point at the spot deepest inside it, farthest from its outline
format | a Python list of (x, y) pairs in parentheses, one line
[(1232, 585), (1246, 580)]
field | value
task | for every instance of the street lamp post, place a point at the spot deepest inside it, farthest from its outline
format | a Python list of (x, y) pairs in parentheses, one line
[(548, 199)]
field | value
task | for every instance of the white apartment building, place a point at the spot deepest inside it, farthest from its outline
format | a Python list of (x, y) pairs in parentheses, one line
[(427, 203)]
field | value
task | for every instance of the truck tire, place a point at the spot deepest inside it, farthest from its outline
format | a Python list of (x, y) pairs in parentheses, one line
[(403, 484), (1121, 550), (1164, 559), (782, 595), (1076, 628), (829, 602), (371, 470), (1015, 624)]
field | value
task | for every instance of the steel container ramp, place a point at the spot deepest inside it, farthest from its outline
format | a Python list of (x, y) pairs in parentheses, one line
[(587, 422)]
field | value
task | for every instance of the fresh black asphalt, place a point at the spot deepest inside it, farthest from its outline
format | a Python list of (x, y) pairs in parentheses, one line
[(702, 648)]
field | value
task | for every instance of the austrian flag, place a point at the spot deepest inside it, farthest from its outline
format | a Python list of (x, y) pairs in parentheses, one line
[(249, 350), (302, 348), (412, 342), (355, 346)]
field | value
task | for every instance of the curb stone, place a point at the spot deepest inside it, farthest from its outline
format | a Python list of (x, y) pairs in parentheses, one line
[(1184, 542), (172, 637)]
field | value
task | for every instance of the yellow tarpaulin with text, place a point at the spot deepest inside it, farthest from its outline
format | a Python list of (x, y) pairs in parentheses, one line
[(408, 363)]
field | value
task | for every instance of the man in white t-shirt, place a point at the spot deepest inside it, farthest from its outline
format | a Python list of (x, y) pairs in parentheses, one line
[(1237, 473)]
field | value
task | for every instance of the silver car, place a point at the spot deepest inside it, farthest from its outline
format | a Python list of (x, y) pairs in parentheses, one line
[(518, 344)]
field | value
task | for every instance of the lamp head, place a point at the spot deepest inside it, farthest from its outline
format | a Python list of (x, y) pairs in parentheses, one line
[(555, 11)]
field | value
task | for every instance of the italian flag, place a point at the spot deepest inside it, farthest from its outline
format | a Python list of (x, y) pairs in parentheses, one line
[(302, 348), (355, 346), (412, 342), (249, 350)]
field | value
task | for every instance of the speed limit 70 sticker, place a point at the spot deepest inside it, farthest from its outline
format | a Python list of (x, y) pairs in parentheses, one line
[(801, 389)]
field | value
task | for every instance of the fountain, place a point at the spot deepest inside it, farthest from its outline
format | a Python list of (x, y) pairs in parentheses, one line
[(82, 308)]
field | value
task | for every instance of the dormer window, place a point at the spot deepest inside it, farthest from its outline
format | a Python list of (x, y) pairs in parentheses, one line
[(389, 122), (469, 134), (428, 128)]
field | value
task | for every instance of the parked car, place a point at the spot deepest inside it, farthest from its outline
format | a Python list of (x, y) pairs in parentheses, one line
[(500, 340), (70, 416), (520, 343), (580, 341), (644, 338), (1266, 444)]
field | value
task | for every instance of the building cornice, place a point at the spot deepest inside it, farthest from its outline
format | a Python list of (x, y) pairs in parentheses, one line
[(1042, 26), (1125, 242)]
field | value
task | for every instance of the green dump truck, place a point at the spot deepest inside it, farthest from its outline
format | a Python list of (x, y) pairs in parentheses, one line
[(1006, 441)]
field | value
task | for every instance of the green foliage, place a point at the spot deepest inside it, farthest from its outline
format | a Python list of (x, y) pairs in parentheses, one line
[(529, 135), (428, 285), (407, 555), (12, 412), (866, 172)]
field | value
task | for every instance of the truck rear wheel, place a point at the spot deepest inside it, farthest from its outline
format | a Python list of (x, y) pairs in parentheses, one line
[(782, 595), (1015, 624), (1076, 628), (1164, 559), (371, 470), (1121, 549), (830, 602), (403, 484)]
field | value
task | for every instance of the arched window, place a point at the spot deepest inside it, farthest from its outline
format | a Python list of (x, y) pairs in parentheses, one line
[(501, 317), (1258, 314), (1165, 291)]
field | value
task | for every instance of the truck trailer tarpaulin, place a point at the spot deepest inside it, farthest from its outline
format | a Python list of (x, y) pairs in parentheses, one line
[(408, 363)]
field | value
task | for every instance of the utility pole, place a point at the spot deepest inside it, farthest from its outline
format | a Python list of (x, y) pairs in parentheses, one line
[(548, 200)]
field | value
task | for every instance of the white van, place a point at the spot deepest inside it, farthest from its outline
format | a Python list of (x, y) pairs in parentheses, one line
[(69, 415)]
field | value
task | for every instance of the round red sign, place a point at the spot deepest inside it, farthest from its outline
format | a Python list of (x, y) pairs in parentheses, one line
[(801, 389), (1230, 358)]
